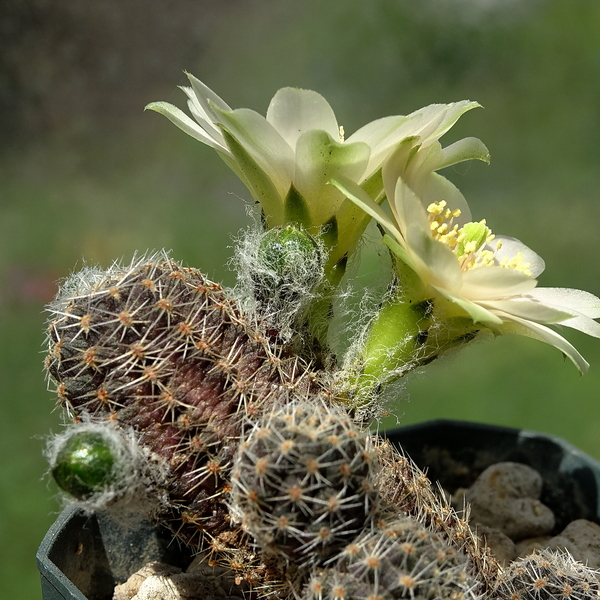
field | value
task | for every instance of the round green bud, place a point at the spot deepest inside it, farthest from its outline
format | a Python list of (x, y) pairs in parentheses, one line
[(84, 464), (283, 249)]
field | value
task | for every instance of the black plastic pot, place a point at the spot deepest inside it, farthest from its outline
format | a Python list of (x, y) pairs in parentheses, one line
[(456, 452), (83, 557)]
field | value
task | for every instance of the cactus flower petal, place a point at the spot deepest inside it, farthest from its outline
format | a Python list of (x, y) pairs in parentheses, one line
[(300, 146)]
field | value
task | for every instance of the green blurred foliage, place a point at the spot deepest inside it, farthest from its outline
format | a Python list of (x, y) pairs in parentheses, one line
[(98, 186)]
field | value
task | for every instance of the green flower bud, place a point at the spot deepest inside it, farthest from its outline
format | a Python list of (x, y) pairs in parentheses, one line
[(287, 266), (283, 249), (84, 464)]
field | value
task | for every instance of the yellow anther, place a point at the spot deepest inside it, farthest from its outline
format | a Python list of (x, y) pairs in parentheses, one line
[(470, 247), (472, 243), (517, 262), (436, 208), (451, 237)]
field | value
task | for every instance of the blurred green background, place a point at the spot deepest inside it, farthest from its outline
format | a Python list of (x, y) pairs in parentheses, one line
[(85, 175)]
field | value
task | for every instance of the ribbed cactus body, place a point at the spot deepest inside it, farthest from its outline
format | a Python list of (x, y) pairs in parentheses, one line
[(547, 575), (157, 347), (303, 481), (238, 444), (398, 559)]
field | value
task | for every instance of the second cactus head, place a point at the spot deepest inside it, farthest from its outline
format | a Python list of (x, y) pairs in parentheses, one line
[(303, 482)]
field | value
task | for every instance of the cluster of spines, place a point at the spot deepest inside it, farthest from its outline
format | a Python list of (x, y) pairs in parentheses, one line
[(547, 575), (303, 482), (155, 347), (405, 487), (397, 559)]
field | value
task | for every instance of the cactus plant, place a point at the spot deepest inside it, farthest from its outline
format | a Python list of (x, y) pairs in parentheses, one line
[(227, 417)]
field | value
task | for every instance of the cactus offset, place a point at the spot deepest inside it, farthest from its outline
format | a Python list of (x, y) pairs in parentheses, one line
[(102, 464), (399, 559), (303, 482), (405, 487)]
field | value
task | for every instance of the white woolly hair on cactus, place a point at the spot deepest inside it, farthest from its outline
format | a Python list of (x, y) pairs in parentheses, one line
[(279, 272), (99, 465)]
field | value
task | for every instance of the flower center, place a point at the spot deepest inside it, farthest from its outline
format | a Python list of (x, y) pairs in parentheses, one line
[(472, 242)]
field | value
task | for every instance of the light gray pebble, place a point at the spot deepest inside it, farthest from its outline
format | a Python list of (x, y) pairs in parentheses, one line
[(582, 539), (157, 581), (506, 497), (529, 545), (127, 590), (501, 546)]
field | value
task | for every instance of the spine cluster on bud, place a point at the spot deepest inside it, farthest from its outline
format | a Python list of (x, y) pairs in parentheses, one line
[(398, 559), (156, 348), (303, 482)]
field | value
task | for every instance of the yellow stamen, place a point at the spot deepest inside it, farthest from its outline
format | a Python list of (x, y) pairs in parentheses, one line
[(472, 243)]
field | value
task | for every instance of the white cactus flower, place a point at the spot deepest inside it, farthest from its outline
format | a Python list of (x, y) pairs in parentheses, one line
[(466, 269), (287, 158)]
